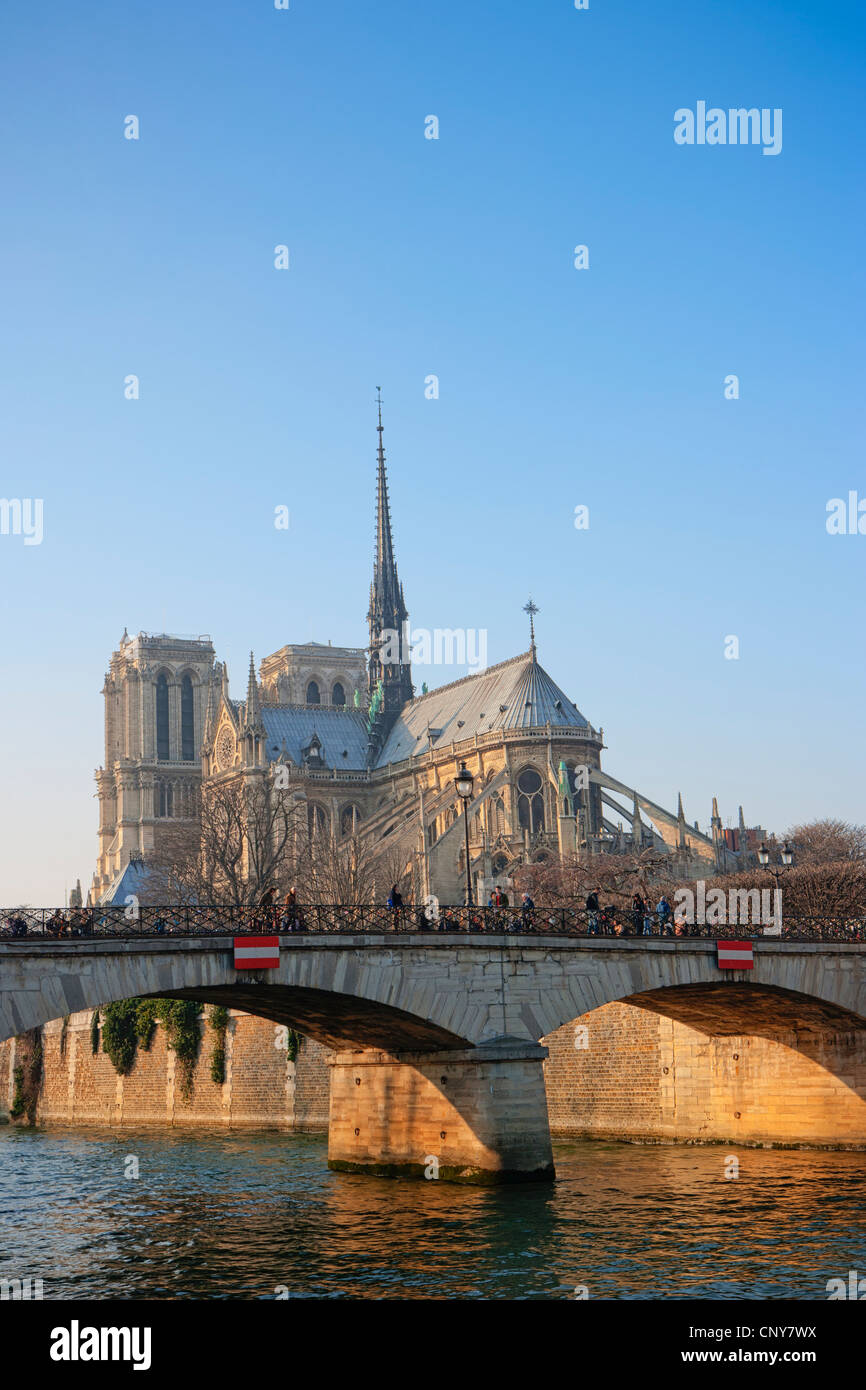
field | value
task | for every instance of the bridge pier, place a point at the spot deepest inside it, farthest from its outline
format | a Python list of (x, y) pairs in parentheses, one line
[(476, 1116)]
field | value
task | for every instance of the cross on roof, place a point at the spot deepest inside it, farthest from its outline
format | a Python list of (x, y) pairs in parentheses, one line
[(531, 609)]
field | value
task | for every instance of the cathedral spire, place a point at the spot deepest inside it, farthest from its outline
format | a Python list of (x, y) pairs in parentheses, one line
[(253, 710), (389, 658), (385, 566), (636, 825)]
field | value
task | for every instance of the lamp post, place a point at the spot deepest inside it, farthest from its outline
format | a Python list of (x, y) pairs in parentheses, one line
[(463, 782), (786, 856)]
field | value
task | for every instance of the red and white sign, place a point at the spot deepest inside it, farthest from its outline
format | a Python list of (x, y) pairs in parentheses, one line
[(735, 955), (257, 952)]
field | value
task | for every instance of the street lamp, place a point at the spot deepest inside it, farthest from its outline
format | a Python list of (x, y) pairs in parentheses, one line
[(786, 856), (463, 782)]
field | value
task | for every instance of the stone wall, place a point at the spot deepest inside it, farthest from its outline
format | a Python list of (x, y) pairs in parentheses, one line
[(263, 1089), (478, 1116), (641, 1076), (644, 1076)]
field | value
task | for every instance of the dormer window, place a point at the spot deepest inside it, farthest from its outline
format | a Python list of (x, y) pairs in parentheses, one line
[(313, 753)]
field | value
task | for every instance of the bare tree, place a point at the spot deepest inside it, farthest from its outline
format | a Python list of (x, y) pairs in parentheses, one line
[(251, 836), (565, 881), (828, 842), (355, 870), (836, 890)]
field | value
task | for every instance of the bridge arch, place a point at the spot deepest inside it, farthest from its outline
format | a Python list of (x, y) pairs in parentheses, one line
[(329, 995), (815, 984), (434, 992)]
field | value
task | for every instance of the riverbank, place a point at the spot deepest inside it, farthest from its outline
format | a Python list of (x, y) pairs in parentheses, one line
[(619, 1072)]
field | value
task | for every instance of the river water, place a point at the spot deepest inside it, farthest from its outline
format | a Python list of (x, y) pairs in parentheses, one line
[(257, 1216)]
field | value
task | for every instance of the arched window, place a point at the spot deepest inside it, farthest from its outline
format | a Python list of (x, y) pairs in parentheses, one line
[(313, 696), (317, 819), (164, 799), (338, 694), (500, 825), (530, 801), (162, 719), (187, 721), (350, 820)]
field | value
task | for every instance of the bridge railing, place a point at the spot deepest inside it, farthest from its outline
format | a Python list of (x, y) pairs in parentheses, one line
[(56, 924)]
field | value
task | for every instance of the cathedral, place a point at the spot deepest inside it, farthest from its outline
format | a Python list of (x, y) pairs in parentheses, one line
[(363, 754)]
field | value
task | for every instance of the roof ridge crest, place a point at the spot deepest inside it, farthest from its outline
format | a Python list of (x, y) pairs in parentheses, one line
[(452, 685)]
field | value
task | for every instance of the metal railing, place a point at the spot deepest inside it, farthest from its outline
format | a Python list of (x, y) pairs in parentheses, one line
[(110, 923)]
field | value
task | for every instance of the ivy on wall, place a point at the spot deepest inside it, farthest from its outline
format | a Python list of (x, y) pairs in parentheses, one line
[(27, 1076), (18, 1101), (145, 1022), (119, 1037), (180, 1018), (130, 1023), (219, 1022), (94, 1032)]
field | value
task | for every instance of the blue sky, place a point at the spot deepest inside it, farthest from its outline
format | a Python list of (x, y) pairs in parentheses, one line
[(453, 257)]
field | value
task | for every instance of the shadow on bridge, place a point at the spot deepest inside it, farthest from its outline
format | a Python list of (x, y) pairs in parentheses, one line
[(339, 1021)]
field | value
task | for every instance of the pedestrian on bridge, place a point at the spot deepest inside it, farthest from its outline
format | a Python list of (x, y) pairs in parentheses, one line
[(288, 921), (527, 907), (395, 903), (56, 924), (638, 908), (266, 907), (592, 911)]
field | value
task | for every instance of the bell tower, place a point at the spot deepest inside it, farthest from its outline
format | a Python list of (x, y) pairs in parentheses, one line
[(156, 694)]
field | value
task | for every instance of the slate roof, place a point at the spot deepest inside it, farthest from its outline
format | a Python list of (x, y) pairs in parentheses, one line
[(516, 694), (339, 729), (132, 879)]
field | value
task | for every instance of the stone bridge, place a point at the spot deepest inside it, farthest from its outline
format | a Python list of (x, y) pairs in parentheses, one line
[(437, 1065)]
